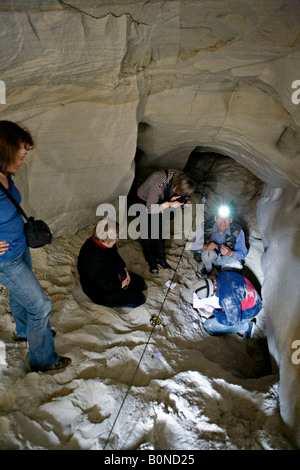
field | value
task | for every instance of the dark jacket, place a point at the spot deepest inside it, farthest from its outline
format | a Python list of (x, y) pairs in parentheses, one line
[(100, 269)]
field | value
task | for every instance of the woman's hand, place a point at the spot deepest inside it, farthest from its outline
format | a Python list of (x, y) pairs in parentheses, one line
[(126, 281), (172, 203), (3, 247), (176, 204), (208, 308)]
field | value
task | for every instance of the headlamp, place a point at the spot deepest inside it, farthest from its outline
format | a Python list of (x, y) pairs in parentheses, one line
[(224, 212)]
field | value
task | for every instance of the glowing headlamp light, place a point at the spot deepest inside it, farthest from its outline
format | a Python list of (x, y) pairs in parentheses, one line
[(224, 212)]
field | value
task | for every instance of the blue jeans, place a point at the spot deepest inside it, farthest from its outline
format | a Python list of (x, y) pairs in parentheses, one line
[(210, 258), (30, 308), (213, 327)]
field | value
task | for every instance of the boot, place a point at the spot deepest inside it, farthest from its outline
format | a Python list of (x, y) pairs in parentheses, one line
[(149, 255), (160, 254)]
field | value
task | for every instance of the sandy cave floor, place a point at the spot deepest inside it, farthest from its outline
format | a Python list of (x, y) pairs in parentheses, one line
[(191, 391)]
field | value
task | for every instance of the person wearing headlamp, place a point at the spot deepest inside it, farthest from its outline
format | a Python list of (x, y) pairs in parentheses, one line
[(223, 243)]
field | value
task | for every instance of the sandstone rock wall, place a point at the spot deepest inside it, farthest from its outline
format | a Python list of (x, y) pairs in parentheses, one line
[(94, 80)]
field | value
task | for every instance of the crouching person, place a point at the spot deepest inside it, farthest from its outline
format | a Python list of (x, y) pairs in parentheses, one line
[(239, 303), (224, 243), (103, 274)]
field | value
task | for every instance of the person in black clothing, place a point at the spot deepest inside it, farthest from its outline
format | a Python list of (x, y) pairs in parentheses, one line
[(103, 274)]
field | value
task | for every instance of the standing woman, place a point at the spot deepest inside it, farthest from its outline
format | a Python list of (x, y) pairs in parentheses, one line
[(162, 190), (29, 304)]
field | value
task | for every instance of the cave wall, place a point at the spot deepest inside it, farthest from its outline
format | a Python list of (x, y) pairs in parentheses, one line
[(279, 221), (95, 80)]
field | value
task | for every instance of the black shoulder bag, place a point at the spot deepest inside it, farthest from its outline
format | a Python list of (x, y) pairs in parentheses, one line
[(37, 233)]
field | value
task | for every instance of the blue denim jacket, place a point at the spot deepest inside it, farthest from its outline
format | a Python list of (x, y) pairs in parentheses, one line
[(11, 224), (238, 298)]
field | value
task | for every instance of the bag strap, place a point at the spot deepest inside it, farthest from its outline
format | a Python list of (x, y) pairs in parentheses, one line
[(14, 201), (168, 187)]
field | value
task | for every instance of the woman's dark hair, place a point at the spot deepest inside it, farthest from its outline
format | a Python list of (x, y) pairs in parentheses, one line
[(11, 137)]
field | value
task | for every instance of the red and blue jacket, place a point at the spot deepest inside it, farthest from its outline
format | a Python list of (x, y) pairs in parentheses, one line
[(238, 298)]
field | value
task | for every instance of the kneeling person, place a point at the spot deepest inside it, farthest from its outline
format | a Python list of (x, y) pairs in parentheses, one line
[(224, 243), (238, 300), (103, 274)]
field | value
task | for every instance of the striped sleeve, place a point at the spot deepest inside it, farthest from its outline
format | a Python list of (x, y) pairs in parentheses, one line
[(153, 189)]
